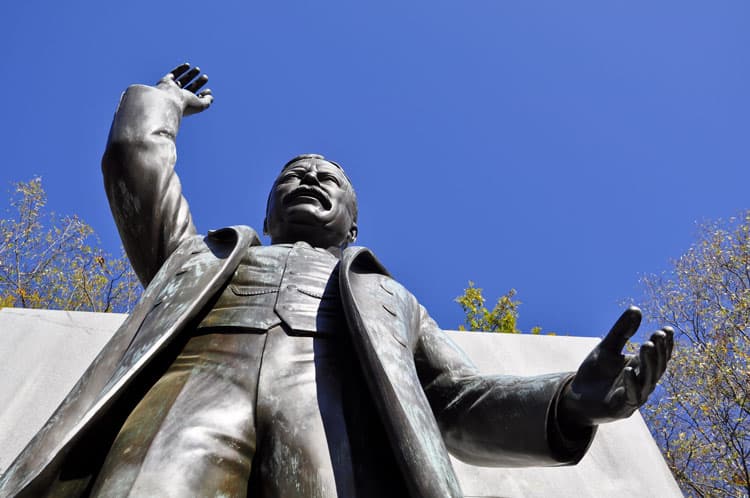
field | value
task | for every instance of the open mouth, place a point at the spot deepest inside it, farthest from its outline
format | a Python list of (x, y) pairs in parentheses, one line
[(302, 193)]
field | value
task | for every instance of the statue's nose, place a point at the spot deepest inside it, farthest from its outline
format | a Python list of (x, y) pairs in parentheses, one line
[(311, 178)]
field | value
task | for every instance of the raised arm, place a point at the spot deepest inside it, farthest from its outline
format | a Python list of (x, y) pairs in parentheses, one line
[(143, 189)]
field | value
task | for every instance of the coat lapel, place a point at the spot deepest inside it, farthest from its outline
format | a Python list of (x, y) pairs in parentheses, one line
[(382, 321), (178, 292)]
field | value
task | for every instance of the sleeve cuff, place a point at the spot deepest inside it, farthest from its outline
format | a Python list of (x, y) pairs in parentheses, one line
[(566, 447)]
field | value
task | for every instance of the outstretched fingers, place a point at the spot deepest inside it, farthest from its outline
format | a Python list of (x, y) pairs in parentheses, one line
[(179, 70), (643, 371), (186, 78), (175, 74), (197, 83), (189, 83), (648, 369), (622, 330), (660, 340)]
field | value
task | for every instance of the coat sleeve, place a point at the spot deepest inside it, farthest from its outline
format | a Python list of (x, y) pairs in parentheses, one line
[(143, 190), (493, 420)]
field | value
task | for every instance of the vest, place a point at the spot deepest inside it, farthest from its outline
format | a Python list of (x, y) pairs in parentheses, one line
[(295, 285)]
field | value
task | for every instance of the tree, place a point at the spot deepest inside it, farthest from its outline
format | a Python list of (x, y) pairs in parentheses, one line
[(54, 262), (701, 415), (502, 318)]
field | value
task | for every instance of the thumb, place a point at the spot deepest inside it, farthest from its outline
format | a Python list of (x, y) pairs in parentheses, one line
[(622, 330)]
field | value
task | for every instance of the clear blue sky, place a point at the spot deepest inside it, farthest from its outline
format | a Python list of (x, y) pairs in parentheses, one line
[(560, 148)]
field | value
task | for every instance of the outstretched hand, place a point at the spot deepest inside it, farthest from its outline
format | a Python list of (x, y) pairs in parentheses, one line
[(184, 84), (610, 385)]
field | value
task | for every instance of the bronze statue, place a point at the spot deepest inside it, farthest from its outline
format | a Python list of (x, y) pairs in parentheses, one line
[(296, 369)]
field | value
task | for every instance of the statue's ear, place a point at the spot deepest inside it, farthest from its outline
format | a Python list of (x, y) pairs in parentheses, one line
[(352, 236)]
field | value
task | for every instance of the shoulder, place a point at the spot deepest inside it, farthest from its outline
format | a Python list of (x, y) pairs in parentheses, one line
[(232, 236), (238, 233), (360, 265), (221, 243), (361, 260)]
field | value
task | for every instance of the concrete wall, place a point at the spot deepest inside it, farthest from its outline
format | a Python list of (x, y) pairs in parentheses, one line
[(44, 353)]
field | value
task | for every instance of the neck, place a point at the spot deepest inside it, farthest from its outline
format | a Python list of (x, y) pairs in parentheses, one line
[(315, 236), (333, 249)]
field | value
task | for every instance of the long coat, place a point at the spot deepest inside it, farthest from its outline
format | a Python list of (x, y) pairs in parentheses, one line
[(430, 397), (426, 390)]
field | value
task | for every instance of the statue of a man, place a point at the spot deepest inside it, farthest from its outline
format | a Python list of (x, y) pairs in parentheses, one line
[(296, 369)]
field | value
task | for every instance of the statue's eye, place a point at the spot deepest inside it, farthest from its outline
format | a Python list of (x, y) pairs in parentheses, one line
[(289, 176), (329, 178)]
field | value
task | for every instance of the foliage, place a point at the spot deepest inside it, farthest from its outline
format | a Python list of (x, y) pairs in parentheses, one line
[(701, 414), (49, 262), (502, 318)]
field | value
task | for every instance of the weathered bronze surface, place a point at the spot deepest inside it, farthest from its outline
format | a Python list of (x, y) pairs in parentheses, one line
[(296, 369)]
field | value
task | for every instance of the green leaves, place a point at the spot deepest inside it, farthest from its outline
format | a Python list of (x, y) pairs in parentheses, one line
[(701, 419), (54, 262), (502, 318)]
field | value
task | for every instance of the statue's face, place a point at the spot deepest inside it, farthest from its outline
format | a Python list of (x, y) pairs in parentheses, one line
[(312, 201)]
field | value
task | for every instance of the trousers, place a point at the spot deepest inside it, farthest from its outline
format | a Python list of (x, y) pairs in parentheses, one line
[(254, 414)]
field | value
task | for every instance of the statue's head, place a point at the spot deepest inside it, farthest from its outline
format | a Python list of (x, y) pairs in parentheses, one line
[(312, 200)]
